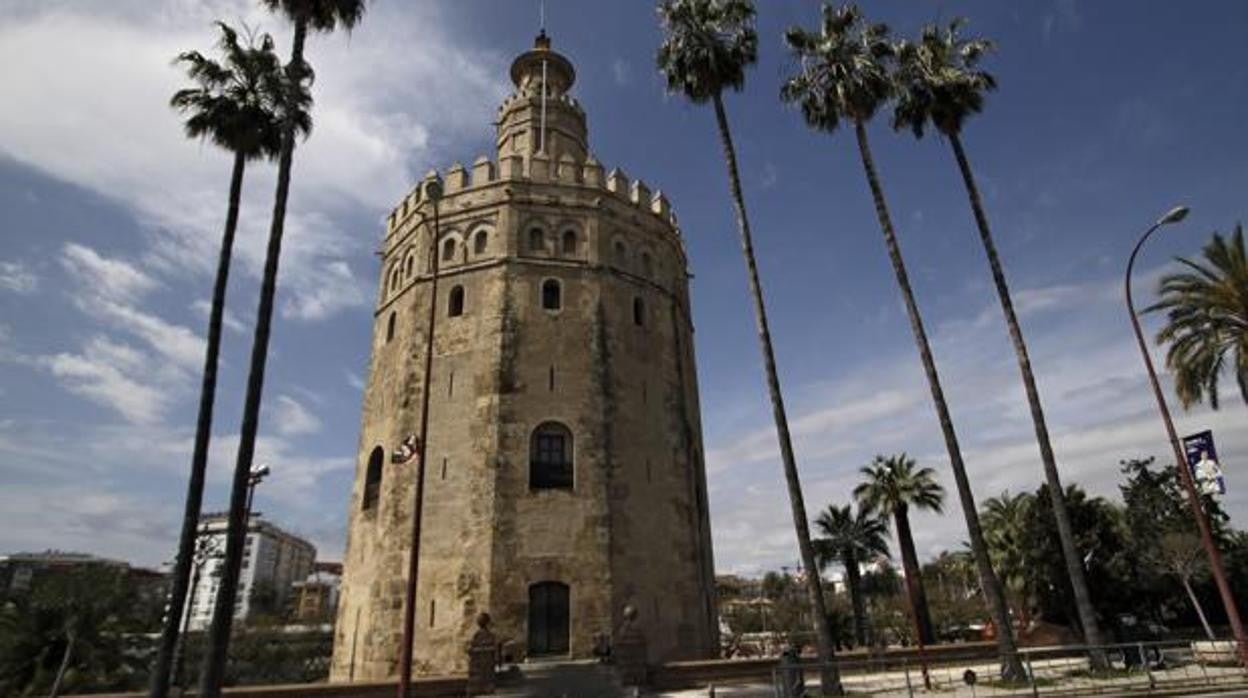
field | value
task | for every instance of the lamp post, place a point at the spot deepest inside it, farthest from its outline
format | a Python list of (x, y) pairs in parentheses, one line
[(433, 190), (1175, 215), (254, 478)]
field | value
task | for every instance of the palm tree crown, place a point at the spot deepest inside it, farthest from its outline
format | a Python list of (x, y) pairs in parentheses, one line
[(938, 79), (864, 533), (1207, 320), (844, 69), (895, 483), (707, 46), (238, 103), (319, 15)]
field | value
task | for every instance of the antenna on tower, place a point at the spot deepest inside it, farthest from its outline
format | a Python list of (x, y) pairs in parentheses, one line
[(541, 147), (541, 15)]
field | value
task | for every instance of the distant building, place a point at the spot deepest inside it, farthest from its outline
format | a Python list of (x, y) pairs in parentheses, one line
[(316, 598), (272, 561), (21, 573)]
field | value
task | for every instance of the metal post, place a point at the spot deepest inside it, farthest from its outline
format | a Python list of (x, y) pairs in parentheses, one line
[(909, 686), (434, 190), (1031, 676), (1180, 459)]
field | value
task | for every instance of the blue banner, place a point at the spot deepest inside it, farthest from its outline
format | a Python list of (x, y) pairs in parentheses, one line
[(1202, 458)]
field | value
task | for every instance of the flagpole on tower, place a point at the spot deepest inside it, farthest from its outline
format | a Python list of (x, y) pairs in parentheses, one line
[(541, 147)]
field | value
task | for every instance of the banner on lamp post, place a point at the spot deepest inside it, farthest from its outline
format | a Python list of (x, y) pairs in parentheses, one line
[(1202, 458)]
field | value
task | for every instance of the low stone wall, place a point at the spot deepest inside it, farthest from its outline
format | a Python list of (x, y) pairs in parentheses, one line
[(435, 687)]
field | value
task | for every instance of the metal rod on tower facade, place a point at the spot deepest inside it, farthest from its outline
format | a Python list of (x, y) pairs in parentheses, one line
[(1180, 459), (433, 189)]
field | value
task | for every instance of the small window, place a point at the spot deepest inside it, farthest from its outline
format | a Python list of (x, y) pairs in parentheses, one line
[(390, 327), (411, 264), (537, 240), (448, 250), (552, 295), (455, 302), (639, 312), (394, 278), (479, 242), (569, 243), (372, 479), (621, 254), (550, 457), (647, 267)]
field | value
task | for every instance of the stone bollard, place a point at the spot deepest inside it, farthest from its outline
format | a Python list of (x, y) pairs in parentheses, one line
[(630, 650), (481, 659)]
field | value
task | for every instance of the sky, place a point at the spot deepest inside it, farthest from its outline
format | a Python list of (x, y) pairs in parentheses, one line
[(1107, 114)]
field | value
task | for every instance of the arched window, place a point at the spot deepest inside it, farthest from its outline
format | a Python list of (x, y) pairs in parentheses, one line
[(537, 240), (455, 302), (372, 479), (621, 254), (390, 327), (569, 243), (639, 312), (552, 295), (647, 267), (479, 241), (550, 457), (411, 264), (394, 278), (448, 250)]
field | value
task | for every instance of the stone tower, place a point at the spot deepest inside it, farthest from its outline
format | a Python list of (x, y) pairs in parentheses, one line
[(564, 475)]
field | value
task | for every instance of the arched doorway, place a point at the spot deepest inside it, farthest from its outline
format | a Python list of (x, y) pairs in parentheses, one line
[(548, 619)]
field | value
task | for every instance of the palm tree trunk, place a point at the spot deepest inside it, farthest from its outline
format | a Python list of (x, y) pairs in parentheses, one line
[(829, 677), (1200, 611), (71, 640), (1065, 531), (853, 582), (223, 612), (914, 586), (1011, 667), (161, 672)]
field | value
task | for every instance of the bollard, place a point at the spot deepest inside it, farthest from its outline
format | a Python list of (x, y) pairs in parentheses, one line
[(630, 651), (482, 658)]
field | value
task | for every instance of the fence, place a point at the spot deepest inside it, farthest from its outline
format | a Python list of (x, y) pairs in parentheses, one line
[(1133, 667)]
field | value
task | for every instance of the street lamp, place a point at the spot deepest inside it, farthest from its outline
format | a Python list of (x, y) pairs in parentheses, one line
[(433, 192), (254, 477), (1175, 215)]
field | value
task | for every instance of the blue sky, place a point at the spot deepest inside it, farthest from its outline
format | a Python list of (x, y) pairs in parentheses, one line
[(1108, 113)]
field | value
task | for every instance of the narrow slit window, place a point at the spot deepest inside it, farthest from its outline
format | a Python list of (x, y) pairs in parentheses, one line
[(433, 607), (450, 385), (639, 312), (551, 379), (390, 327), (552, 295), (455, 302), (372, 480), (444, 468)]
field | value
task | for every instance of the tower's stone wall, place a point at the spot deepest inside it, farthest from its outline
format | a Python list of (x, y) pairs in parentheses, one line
[(613, 364)]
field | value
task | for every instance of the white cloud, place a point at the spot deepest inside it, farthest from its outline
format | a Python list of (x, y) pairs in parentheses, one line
[(621, 71), (18, 278), (373, 116), (232, 323), (354, 380), (112, 375), (109, 278), (293, 419)]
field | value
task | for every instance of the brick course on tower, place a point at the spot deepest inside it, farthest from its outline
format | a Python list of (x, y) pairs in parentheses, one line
[(564, 472)]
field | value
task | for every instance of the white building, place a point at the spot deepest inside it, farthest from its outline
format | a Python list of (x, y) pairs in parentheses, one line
[(272, 559)]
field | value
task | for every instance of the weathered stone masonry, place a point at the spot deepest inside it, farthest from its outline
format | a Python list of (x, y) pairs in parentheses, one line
[(563, 332)]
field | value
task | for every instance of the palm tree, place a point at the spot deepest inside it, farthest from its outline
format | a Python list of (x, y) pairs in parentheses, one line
[(1207, 320), (938, 81), (234, 104), (1005, 520), (844, 75), (852, 539), (317, 15), (706, 48), (892, 487)]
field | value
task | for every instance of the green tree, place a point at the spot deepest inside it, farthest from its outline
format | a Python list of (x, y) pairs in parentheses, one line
[(235, 104), (69, 634), (939, 81), (314, 15), (852, 538), (707, 46), (1207, 320), (844, 75), (1006, 519), (892, 487)]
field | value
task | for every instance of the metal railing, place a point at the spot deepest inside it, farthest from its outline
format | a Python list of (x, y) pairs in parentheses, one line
[(1129, 667)]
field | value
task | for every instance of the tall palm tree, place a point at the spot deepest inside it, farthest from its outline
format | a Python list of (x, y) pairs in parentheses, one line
[(315, 15), (707, 46), (852, 538), (892, 486), (844, 75), (235, 104), (939, 81), (1005, 520), (1207, 320)]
